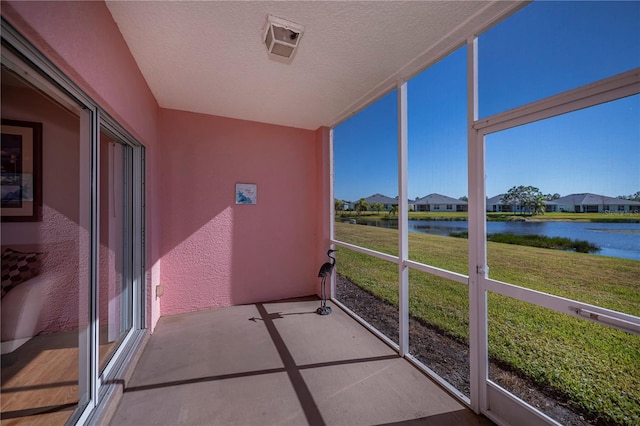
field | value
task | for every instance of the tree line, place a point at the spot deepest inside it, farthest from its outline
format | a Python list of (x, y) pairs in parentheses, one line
[(362, 206), (632, 197), (526, 199)]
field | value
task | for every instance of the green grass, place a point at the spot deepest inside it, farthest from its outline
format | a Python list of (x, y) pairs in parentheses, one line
[(595, 367), (373, 216), (579, 217)]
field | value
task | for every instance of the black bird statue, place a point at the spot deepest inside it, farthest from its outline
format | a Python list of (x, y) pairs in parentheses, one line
[(325, 271)]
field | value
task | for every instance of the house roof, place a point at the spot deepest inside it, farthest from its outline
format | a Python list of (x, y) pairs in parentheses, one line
[(209, 57), (576, 199), (382, 199), (497, 200), (593, 199), (439, 199)]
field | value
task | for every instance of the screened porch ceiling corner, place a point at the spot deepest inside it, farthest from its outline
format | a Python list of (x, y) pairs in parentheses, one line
[(210, 58)]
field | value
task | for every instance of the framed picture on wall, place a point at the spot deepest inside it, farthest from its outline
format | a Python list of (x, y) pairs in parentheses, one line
[(246, 193), (21, 173)]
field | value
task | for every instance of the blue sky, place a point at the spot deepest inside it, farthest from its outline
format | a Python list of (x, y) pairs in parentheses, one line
[(544, 49)]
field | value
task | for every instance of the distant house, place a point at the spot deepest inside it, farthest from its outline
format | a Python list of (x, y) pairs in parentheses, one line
[(346, 205), (387, 202), (495, 204), (410, 204), (593, 203), (440, 203)]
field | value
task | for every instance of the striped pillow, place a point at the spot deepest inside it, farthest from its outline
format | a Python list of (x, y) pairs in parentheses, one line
[(18, 267)]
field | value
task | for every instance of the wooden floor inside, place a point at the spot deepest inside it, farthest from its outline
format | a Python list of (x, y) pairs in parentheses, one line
[(40, 379)]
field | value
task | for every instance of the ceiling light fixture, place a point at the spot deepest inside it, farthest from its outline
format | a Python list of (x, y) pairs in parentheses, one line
[(282, 37)]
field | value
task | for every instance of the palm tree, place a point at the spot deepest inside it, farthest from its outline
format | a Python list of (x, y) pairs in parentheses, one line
[(361, 206), (539, 204)]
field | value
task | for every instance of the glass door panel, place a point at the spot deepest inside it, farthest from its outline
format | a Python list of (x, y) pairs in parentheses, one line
[(115, 279), (46, 153)]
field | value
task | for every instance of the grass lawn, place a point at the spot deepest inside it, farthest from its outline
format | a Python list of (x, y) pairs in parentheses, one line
[(364, 216), (582, 217), (595, 367)]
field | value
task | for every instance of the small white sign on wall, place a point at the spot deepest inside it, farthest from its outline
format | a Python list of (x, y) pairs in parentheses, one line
[(246, 193)]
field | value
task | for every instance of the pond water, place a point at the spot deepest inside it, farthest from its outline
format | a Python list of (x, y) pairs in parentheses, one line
[(614, 239)]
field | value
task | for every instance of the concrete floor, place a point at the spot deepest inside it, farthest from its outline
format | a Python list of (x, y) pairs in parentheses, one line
[(279, 364)]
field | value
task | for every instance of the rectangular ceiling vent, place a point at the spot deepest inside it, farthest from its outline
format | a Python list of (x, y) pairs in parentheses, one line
[(282, 37)]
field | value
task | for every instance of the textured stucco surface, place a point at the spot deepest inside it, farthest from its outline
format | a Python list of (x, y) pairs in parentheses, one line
[(217, 253), (213, 252), (82, 39)]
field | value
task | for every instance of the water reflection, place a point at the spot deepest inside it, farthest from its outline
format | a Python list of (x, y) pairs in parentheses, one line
[(614, 239)]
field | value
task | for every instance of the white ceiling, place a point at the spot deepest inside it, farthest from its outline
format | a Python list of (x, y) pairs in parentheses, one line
[(209, 57)]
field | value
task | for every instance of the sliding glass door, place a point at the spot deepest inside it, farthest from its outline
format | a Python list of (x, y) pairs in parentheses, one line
[(72, 229), (46, 244), (115, 285)]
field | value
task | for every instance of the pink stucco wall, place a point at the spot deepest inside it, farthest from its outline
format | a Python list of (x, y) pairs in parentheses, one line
[(217, 253), (82, 39), (204, 249)]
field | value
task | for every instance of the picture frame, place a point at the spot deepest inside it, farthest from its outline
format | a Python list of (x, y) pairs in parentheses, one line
[(21, 171), (246, 193)]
